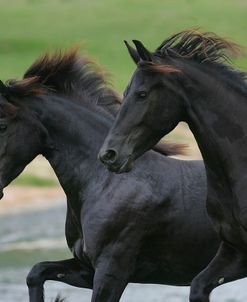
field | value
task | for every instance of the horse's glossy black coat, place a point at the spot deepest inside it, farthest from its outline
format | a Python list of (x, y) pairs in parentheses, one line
[(185, 80), (149, 226)]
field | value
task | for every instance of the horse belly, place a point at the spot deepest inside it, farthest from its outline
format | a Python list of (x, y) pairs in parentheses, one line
[(176, 270), (161, 272), (176, 259)]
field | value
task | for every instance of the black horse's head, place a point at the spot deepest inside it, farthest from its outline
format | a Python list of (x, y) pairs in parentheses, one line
[(159, 93), (22, 137), (151, 108)]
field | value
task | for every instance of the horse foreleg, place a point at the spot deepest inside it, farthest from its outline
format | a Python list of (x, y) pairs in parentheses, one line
[(68, 271), (109, 283), (113, 270), (228, 265)]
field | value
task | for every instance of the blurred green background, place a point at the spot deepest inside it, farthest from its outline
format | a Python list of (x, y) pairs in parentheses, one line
[(31, 27)]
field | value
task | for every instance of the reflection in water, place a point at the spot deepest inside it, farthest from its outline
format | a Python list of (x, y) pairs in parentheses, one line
[(38, 235)]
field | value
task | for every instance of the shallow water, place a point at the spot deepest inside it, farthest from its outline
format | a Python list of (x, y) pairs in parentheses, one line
[(38, 235)]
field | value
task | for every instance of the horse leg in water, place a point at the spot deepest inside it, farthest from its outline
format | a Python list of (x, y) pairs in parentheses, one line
[(68, 271), (228, 265)]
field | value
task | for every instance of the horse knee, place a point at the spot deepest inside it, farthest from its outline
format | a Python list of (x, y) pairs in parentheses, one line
[(35, 276)]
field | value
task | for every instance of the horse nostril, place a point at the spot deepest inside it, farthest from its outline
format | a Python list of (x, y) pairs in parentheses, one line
[(109, 156)]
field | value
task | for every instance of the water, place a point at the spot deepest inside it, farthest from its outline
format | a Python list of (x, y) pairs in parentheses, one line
[(38, 235)]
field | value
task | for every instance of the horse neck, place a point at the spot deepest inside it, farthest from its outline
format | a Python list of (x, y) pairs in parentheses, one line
[(76, 133), (216, 114)]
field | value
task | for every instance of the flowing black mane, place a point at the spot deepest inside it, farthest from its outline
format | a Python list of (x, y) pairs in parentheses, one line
[(197, 46), (193, 46), (203, 48), (68, 74), (71, 74)]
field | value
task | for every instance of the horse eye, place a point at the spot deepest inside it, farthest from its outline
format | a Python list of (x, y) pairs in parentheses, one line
[(3, 128), (142, 94)]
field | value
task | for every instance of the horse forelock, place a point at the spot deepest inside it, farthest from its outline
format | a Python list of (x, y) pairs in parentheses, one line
[(154, 67)]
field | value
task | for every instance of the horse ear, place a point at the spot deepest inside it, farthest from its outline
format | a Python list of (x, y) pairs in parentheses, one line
[(133, 53), (142, 51), (9, 109), (3, 88)]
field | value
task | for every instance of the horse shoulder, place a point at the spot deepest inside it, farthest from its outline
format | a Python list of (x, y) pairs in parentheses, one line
[(116, 212)]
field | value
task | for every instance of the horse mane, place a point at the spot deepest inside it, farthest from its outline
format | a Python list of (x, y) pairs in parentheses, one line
[(64, 73), (71, 74), (169, 149), (22, 88), (198, 46)]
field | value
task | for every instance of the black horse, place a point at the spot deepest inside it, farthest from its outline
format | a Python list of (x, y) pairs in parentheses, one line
[(188, 79), (149, 226)]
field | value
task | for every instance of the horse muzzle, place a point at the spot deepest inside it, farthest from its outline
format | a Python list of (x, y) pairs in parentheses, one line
[(111, 160)]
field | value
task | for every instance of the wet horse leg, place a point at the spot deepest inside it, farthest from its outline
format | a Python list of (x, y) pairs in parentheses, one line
[(228, 265), (68, 271)]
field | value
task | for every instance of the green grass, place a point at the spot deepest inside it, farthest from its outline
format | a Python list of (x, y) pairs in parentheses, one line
[(27, 179), (28, 28), (21, 258)]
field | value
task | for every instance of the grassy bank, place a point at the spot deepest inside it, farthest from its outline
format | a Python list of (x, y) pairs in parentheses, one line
[(29, 27), (33, 180)]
